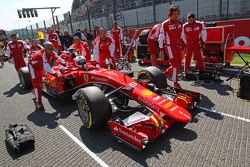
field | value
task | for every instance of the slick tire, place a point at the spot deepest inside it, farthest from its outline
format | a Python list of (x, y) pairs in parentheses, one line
[(153, 75), (24, 76), (93, 107)]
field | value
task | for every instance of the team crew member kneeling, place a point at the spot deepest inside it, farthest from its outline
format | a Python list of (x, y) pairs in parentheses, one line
[(41, 62), (104, 48), (194, 36)]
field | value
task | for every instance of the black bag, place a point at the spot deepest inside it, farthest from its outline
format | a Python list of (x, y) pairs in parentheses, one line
[(20, 138)]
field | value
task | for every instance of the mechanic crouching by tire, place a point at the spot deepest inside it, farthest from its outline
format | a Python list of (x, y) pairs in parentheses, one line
[(170, 40), (15, 50), (194, 36), (152, 42), (81, 47), (104, 47), (39, 64)]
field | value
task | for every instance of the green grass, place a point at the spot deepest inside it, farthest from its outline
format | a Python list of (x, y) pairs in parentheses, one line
[(238, 60)]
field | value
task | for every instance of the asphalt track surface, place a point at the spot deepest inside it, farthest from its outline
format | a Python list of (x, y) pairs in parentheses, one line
[(217, 138)]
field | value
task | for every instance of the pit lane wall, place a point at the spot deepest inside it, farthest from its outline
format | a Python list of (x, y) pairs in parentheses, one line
[(242, 33)]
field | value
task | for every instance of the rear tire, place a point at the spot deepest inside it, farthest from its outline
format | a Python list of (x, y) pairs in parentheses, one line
[(153, 75), (25, 80), (93, 107)]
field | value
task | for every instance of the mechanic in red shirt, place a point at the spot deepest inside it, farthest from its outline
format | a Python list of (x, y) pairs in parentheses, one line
[(118, 37), (194, 36), (152, 42), (52, 37), (170, 40), (81, 47), (15, 50), (104, 47), (34, 47), (40, 63)]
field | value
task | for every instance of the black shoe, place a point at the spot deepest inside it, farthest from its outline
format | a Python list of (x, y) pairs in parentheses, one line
[(40, 107)]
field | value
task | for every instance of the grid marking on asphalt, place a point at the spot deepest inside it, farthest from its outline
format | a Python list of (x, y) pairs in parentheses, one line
[(224, 114), (84, 147)]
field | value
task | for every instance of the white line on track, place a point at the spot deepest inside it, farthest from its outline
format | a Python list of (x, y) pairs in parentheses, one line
[(224, 114), (84, 147)]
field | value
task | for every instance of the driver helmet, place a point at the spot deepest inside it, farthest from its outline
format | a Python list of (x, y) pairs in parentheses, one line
[(80, 61)]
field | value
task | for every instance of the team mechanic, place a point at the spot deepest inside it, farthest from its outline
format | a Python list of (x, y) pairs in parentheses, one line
[(34, 47), (104, 47), (118, 37), (170, 40), (194, 36), (15, 50), (41, 63), (152, 42), (81, 47), (52, 37)]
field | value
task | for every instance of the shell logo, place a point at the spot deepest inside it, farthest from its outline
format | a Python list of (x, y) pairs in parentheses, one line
[(168, 104), (146, 92)]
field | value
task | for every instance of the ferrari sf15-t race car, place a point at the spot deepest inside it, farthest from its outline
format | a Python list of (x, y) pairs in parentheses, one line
[(104, 95)]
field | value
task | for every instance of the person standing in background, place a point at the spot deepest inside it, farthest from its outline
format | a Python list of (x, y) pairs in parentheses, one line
[(171, 41), (194, 35), (152, 42), (15, 49), (67, 40), (118, 37)]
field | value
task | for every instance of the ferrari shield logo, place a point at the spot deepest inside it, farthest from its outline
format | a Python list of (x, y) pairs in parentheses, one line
[(86, 77)]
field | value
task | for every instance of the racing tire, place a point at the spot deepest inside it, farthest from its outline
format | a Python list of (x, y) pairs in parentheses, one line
[(153, 75), (24, 76), (93, 107)]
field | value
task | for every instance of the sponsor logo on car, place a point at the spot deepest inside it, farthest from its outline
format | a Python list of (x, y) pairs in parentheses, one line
[(133, 137), (133, 84), (149, 104), (168, 104), (99, 79), (111, 73), (86, 77), (146, 92), (156, 98)]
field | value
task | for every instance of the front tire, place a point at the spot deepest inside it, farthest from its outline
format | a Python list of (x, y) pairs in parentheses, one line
[(93, 107), (153, 75)]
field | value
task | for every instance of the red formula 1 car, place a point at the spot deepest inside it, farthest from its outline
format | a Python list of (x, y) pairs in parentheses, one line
[(104, 96)]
